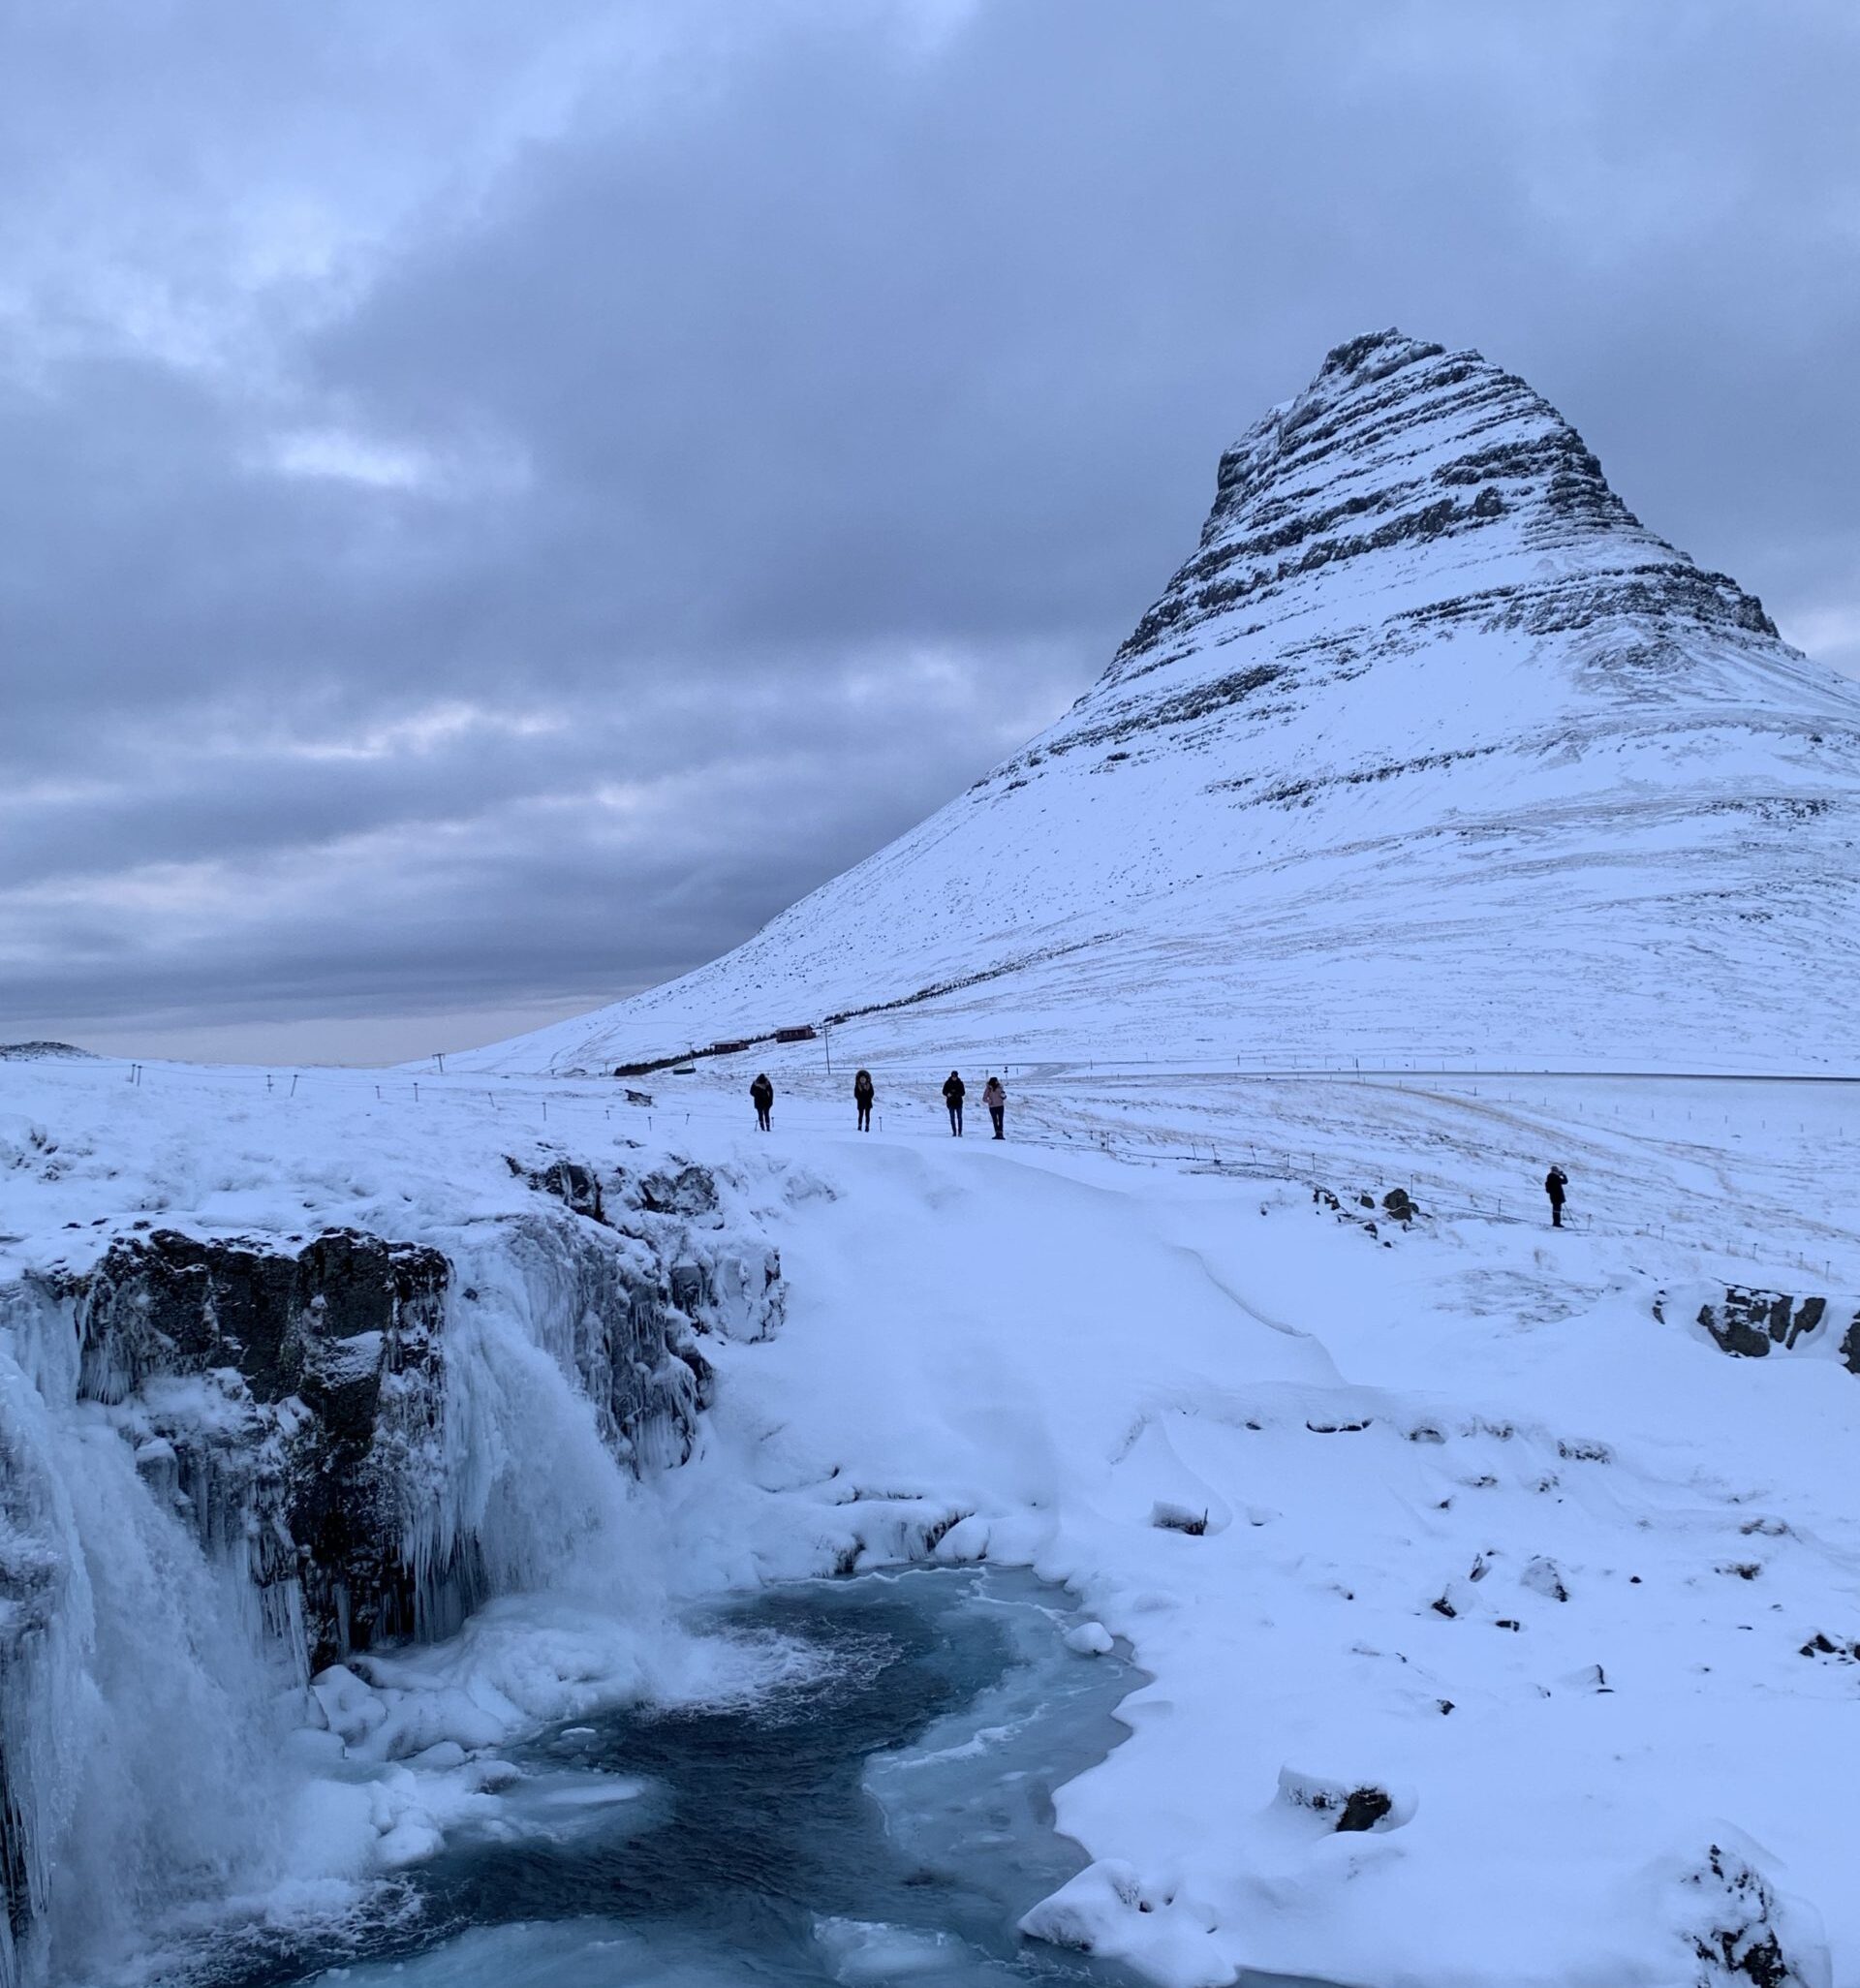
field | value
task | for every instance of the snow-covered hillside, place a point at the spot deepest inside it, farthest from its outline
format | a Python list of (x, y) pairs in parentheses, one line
[(1431, 750)]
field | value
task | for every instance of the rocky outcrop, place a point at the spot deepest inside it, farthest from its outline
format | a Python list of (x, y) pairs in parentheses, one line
[(577, 1185), (288, 1397), (284, 1402), (1366, 1213), (1397, 445), (355, 1430), (1346, 1807), (1737, 1935), (1750, 1323)]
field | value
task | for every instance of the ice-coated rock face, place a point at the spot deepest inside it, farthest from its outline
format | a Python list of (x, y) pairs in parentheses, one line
[(1429, 750), (228, 1461), (289, 1406)]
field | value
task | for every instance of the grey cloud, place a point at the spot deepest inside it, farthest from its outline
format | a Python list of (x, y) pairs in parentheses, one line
[(816, 404)]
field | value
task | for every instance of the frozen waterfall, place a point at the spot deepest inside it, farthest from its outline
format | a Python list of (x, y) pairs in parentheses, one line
[(226, 1465)]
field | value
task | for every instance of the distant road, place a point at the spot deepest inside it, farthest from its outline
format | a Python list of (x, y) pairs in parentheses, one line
[(1049, 1070), (1662, 1076), (1034, 1069)]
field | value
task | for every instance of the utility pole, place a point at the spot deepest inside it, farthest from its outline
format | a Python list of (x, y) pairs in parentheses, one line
[(826, 1044)]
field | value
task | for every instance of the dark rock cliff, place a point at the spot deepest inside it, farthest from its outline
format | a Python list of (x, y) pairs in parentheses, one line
[(319, 1373), (288, 1400), (1399, 443)]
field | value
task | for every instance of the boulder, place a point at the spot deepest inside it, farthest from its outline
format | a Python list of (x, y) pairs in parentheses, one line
[(1749, 1323), (578, 1186)]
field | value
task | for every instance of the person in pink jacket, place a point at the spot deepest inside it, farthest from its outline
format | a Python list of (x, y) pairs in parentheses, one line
[(996, 1099)]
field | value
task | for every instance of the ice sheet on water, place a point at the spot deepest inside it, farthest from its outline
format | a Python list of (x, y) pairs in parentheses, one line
[(581, 1954), (863, 1953)]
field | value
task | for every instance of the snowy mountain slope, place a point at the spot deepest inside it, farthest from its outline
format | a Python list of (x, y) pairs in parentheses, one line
[(1430, 748)]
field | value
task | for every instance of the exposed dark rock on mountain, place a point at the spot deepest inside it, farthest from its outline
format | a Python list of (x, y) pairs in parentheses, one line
[(1399, 443)]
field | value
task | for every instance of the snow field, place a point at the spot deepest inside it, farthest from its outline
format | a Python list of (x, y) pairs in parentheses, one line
[(1068, 1360), (1269, 1451)]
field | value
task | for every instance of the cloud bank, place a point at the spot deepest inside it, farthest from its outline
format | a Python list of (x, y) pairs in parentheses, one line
[(495, 504)]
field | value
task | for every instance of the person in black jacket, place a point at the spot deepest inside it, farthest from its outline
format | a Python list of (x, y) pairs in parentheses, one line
[(761, 1094), (862, 1095), (953, 1092), (1554, 1184)]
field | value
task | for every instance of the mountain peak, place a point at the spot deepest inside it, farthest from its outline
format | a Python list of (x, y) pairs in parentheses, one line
[(1430, 748), (1406, 476), (1377, 354)]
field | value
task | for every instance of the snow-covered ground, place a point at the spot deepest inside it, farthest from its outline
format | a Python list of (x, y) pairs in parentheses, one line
[(1459, 1515)]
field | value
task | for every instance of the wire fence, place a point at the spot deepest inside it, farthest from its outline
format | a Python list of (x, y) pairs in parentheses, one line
[(568, 1108)]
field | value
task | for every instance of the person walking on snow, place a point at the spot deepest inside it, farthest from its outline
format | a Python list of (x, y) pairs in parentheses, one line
[(1554, 1184), (954, 1090), (761, 1094), (862, 1095), (996, 1099)]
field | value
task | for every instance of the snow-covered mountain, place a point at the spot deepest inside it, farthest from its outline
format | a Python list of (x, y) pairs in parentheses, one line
[(1430, 748)]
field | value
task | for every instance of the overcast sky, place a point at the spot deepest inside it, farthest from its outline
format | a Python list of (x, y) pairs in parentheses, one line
[(497, 501)]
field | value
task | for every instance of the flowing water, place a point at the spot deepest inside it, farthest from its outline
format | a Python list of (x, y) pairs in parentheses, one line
[(883, 1814)]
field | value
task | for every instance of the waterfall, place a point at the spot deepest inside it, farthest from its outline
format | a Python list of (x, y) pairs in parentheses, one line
[(134, 1704), (223, 1466)]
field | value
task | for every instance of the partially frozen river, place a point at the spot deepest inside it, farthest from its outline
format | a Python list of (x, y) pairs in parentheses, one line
[(884, 1816)]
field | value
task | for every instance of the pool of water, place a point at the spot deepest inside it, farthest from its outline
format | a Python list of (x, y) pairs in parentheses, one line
[(883, 1816)]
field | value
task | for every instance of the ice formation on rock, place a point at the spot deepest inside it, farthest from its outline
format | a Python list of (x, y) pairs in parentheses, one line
[(228, 1463)]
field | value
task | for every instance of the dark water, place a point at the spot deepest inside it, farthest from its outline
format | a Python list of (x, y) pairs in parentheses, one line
[(886, 1816)]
